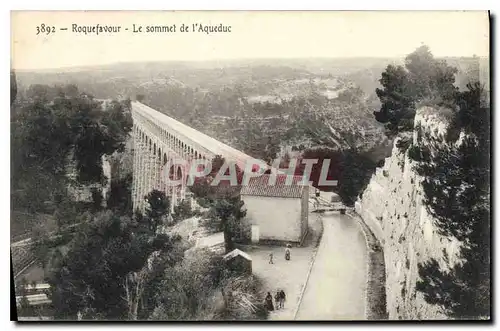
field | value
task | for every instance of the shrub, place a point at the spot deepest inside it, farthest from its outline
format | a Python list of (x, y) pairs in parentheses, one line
[(183, 211)]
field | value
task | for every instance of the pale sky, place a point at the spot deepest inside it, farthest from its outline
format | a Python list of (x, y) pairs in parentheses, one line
[(263, 34)]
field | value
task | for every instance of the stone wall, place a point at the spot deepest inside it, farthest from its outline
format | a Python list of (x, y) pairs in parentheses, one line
[(392, 208), (278, 218)]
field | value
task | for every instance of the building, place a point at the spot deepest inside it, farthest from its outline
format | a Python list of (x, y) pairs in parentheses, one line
[(238, 261), (277, 212)]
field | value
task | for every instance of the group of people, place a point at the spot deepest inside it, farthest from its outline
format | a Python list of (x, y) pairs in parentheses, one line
[(279, 298)]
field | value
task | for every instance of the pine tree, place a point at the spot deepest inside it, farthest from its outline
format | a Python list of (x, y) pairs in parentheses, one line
[(456, 189), (423, 77)]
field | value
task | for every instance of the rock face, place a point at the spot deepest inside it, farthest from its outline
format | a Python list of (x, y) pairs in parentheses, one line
[(392, 208)]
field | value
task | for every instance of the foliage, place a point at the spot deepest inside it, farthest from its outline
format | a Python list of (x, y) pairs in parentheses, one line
[(206, 191), (323, 155), (97, 199), (13, 87), (356, 170), (104, 272), (222, 199), (422, 77), (158, 208), (225, 215), (351, 168), (404, 143), (120, 195), (339, 124), (40, 146), (456, 174), (41, 244), (187, 288), (182, 211), (243, 297), (66, 213), (156, 276), (55, 129), (200, 288)]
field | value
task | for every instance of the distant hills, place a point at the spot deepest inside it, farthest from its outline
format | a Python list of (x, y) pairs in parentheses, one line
[(109, 81)]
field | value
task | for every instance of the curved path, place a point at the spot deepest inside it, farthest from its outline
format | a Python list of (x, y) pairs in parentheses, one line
[(337, 283)]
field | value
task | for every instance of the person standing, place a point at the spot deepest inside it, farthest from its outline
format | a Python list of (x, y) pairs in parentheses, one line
[(287, 252), (271, 258), (269, 302), (282, 298), (277, 299)]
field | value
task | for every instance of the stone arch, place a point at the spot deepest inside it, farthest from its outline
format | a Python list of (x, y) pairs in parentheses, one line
[(171, 173), (178, 174), (164, 158), (154, 148)]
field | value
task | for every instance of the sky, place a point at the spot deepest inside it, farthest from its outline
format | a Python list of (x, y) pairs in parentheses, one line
[(266, 34)]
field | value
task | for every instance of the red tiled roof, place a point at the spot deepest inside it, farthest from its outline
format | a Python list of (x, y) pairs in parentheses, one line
[(261, 186)]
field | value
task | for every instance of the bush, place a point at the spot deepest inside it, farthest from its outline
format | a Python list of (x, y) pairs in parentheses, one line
[(183, 211), (244, 299), (187, 289)]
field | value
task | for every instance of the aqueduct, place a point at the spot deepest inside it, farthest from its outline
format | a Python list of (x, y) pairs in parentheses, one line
[(159, 138)]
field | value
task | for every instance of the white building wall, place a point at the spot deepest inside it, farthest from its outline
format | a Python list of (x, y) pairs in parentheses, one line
[(277, 218)]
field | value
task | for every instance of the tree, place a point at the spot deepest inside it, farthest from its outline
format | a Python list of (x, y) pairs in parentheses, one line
[(182, 211), (13, 86), (355, 171), (223, 199), (66, 213), (398, 106), (351, 168), (157, 210), (423, 77), (456, 176), (206, 191), (57, 128), (323, 155), (120, 195), (104, 272), (226, 215), (272, 149), (187, 287), (97, 199)]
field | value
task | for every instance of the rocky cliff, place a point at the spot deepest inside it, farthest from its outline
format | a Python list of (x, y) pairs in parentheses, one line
[(392, 208)]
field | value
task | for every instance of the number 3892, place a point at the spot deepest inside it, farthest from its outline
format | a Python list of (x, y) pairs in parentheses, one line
[(46, 29)]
